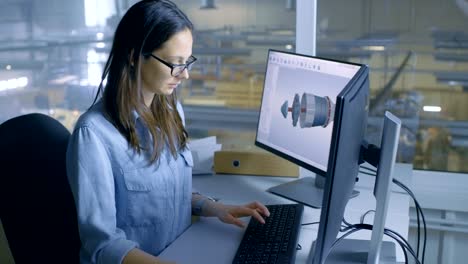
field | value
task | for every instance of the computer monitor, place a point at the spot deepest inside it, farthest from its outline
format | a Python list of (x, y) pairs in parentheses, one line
[(321, 130), (297, 116)]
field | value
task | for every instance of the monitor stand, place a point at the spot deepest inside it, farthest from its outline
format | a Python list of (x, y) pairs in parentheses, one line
[(357, 251), (307, 191)]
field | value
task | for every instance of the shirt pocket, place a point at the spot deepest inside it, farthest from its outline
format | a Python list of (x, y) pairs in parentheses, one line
[(147, 196)]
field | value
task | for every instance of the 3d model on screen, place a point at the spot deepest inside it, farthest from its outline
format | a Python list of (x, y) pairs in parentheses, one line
[(311, 110)]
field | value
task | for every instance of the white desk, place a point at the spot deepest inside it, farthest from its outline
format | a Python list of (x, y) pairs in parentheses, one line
[(211, 241)]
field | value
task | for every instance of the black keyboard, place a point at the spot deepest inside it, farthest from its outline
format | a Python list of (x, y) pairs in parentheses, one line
[(272, 242)]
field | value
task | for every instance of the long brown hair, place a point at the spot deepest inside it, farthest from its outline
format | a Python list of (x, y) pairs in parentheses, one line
[(144, 28)]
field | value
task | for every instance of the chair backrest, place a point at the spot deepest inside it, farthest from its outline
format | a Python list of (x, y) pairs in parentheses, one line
[(36, 204)]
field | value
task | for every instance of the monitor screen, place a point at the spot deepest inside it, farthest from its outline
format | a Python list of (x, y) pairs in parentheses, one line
[(314, 113), (298, 107)]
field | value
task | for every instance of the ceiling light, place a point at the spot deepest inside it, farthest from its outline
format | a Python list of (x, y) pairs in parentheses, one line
[(374, 48), (13, 83), (101, 45), (431, 108)]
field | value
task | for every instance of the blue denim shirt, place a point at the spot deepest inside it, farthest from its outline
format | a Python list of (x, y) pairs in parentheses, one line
[(121, 202)]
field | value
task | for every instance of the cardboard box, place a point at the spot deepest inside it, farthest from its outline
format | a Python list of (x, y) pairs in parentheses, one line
[(253, 163)]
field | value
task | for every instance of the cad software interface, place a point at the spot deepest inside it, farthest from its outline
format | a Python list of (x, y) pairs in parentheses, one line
[(298, 105)]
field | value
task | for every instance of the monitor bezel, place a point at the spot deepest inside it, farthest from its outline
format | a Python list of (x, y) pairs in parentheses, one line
[(340, 96)]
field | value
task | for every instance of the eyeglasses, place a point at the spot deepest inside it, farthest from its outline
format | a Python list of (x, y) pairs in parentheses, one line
[(177, 69)]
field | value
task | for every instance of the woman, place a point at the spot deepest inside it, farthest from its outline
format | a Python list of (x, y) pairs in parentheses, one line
[(128, 162)]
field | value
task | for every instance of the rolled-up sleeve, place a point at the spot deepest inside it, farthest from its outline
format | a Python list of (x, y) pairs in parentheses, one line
[(91, 180)]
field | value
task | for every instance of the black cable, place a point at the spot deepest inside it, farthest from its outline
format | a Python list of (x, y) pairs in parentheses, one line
[(313, 223), (418, 232), (387, 231), (345, 226), (368, 168), (418, 210), (368, 173), (425, 233), (417, 214), (399, 236), (408, 248), (338, 241), (405, 253), (353, 230), (346, 222), (367, 226), (363, 217)]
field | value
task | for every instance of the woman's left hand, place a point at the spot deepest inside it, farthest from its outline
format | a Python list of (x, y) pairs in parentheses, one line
[(230, 214)]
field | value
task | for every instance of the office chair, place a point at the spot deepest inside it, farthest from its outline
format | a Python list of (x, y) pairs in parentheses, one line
[(36, 204)]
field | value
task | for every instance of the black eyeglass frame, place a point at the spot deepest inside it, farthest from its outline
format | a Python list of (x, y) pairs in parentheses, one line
[(172, 66)]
